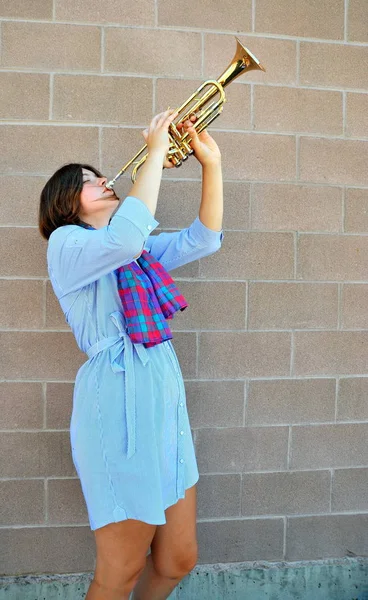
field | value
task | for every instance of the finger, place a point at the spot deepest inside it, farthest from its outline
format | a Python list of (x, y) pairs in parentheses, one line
[(155, 121), (204, 134), (189, 127), (170, 118), (166, 117)]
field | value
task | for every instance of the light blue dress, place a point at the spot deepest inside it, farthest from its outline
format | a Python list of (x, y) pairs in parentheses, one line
[(130, 434)]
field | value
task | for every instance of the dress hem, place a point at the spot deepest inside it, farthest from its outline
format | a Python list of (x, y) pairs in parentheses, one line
[(119, 511)]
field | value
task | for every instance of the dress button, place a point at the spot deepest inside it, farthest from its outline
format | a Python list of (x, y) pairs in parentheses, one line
[(149, 227), (182, 433), (181, 460), (181, 403)]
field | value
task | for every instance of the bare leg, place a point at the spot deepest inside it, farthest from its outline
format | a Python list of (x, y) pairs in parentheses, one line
[(152, 586), (97, 591), (173, 551), (121, 558)]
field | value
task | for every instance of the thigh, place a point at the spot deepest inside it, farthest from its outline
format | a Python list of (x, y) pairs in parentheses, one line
[(175, 543), (122, 548)]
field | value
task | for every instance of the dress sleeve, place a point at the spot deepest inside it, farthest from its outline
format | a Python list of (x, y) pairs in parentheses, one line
[(181, 247), (77, 256)]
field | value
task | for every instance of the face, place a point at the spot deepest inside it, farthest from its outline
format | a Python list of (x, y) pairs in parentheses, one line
[(97, 202)]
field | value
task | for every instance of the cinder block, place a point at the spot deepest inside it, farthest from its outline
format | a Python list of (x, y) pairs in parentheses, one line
[(236, 15), (292, 305), (241, 449), (286, 493), (317, 18), (344, 66), (328, 536), (21, 405), (296, 207), (22, 502), (69, 47), (121, 12), (326, 446), (330, 352), (287, 401), (66, 505), (103, 99)]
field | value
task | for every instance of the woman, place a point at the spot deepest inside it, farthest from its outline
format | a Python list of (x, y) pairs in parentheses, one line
[(130, 433)]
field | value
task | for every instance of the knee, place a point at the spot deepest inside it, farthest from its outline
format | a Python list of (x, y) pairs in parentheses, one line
[(178, 565), (117, 576)]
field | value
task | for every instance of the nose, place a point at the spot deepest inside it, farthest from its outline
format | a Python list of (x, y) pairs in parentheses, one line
[(102, 180)]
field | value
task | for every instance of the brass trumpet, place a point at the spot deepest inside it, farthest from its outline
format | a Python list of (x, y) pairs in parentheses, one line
[(179, 148)]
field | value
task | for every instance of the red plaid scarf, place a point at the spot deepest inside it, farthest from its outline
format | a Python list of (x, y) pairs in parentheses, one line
[(149, 296)]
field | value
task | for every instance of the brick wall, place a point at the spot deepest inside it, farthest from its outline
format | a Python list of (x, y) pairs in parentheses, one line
[(274, 346)]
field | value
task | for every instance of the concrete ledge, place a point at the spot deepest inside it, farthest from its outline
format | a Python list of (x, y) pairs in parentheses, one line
[(333, 579)]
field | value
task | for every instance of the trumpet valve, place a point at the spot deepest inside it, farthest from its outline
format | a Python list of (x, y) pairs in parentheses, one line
[(174, 132), (175, 161)]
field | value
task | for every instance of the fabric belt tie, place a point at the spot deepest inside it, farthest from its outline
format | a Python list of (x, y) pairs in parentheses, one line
[(117, 345)]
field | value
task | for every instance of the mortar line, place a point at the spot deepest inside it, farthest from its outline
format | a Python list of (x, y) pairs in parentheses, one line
[(251, 182), (284, 548), (181, 77), (154, 95), (245, 400), (182, 29), (297, 58), (343, 209), (100, 134), (346, 22), (252, 115), (202, 53), (337, 393), (280, 134), (46, 498), (297, 157), (339, 307), (51, 96), (102, 49), (292, 355), (44, 404), (344, 112), (289, 448)]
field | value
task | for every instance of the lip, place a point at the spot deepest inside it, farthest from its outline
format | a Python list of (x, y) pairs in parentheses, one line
[(109, 193)]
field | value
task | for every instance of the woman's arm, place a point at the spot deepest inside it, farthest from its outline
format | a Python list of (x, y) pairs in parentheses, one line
[(204, 236), (77, 256), (147, 184), (177, 248), (212, 204)]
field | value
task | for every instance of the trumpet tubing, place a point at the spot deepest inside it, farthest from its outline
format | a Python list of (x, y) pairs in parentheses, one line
[(205, 107)]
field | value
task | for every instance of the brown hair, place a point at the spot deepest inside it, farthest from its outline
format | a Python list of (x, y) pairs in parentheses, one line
[(60, 198)]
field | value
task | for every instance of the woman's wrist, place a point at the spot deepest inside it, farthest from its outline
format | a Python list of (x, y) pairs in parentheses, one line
[(156, 154), (212, 164)]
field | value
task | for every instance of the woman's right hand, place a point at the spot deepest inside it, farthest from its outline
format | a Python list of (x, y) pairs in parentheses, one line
[(156, 135)]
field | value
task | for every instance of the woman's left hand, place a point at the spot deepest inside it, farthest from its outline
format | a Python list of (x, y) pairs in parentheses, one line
[(205, 148)]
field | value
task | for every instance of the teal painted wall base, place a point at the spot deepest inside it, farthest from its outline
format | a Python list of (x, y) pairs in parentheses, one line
[(335, 579)]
